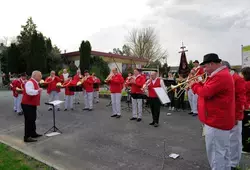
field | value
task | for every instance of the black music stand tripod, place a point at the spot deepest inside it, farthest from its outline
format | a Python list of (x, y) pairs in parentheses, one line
[(128, 101), (54, 128)]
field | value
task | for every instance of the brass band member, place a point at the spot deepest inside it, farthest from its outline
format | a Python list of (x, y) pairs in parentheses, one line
[(180, 100), (30, 101), (65, 75), (235, 133), (76, 79), (246, 119), (97, 83), (115, 81), (171, 93), (89, 90), (52, 89), (216, 110), (136, 82), (154, 101), (68, 94), (192, 98)]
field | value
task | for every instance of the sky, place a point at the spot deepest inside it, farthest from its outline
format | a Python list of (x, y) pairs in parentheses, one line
[(205, 26)]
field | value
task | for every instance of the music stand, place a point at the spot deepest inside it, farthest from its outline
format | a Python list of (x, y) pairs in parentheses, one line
[(128, 108), (54, 129)]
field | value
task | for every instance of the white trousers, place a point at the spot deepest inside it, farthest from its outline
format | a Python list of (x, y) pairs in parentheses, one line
[(218, 148), (96, 96), (18, 103), (192, 98), (54, 96), (236, 144), (116, 103), (136, 108), (15, 103), (88, 100), (68, 102), (77, 96)]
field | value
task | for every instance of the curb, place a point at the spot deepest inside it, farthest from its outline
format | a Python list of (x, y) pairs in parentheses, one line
[(32, 156)]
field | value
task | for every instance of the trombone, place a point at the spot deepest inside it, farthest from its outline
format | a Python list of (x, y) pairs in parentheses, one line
[(172, 87)]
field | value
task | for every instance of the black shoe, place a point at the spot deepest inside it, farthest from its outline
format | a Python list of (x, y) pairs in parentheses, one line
[(90, 109), (36, 136), (58, 109), (139, 119), (78, 102), (65, 109), (49, 109), (152, 123), (156, 125), (195, 114), (72, 109), (29, 139), (113, 116), (118, 116), (190, 113), (133, 118), (85, 109), (15, 111), (20, 113)]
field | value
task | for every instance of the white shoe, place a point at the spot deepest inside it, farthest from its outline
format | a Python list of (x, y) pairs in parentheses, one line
[(172, 108)]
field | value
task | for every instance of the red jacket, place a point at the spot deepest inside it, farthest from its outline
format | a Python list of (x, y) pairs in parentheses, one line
[(52, 84), (247, 105), (116, 83), (77, 77), (240, 96), (136, 87), (127, 83), (13, 87), (31, 100), (88, 84), (67, 84), (216, 100), (151, 86), (98, 82), (199, 70)]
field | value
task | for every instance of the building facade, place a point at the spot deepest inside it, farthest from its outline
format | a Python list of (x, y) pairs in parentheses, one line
[(121, 62)]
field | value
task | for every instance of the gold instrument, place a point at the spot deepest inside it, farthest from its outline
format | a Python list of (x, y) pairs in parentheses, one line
[(59, 85), (145, 85), (65, 85), (109, 77), (203, 80)]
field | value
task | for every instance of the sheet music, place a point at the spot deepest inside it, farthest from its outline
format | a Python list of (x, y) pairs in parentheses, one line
[(56, 102), (162, 94)]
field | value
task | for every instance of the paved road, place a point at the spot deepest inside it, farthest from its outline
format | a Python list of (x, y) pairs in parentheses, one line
[(94, 140)]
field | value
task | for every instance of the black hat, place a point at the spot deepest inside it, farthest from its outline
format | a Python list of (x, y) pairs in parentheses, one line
[(196, 61), (212, 57), (86, 71)]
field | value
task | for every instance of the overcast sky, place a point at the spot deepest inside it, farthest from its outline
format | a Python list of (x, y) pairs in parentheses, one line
[(205, 26)]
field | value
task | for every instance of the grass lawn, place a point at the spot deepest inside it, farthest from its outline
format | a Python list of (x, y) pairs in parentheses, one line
[(10, 159)]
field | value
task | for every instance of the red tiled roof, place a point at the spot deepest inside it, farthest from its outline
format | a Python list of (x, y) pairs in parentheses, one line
[(98, 53)]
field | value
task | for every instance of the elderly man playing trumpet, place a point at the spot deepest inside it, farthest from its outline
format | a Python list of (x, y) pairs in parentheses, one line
[(155, 104), (115, 81), (216, 109)]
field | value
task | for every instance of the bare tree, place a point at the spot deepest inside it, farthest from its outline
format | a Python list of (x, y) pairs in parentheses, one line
[(144, 43), (4, 41)]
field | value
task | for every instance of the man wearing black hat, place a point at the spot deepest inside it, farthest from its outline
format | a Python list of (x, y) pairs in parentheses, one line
[(235, 133), (216, 109)]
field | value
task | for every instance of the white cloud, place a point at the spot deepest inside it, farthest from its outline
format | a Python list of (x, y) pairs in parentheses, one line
[(205, 26)]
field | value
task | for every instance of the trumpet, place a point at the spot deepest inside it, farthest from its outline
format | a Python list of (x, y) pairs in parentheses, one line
[(172, 87), (145, 85), (109, 77)]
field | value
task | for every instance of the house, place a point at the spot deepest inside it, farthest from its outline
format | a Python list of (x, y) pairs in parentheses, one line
[(114, 60)]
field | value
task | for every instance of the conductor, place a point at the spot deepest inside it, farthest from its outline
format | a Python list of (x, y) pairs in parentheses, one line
[(30, 101)]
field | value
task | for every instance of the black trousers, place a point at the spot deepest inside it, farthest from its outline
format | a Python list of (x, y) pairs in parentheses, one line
[(180, 101), (172, 99), (29, 120), (155, 106), (246, 132)]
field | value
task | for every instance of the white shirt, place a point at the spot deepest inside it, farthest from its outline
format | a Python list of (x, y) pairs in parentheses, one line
[(30, 89), (161, 82)]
